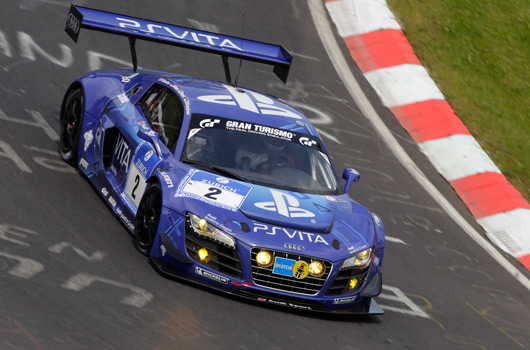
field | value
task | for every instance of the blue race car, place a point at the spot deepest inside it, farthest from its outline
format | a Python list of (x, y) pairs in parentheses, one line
[(221, 185)]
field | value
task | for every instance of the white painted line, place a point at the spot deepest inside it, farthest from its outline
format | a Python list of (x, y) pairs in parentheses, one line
[(137, 298), (26, 268), (332, 48), (399, 297), (403, 84), (394, 240), (509, 230), (375, 16), (458, 156), (61, 246)]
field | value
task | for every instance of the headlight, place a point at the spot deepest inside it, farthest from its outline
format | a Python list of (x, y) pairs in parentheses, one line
[(359, 260), (264, 258), (317, 268), (202, 228)]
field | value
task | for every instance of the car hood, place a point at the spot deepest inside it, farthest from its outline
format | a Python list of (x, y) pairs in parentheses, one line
[(331, 227), (290, 209)]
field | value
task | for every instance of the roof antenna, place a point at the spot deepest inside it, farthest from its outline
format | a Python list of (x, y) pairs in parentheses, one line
[(241, 57)]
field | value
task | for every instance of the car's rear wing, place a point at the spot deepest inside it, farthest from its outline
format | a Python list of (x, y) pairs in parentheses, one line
[(137, 28)]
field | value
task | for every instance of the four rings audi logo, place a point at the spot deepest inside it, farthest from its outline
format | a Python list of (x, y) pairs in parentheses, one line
[(297, 247), (73, 23)]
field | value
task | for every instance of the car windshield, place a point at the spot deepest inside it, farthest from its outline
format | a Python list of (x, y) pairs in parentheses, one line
[(260, 154)]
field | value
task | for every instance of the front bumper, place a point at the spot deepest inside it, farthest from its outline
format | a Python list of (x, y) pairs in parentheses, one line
[(234, 272), (357, 304)]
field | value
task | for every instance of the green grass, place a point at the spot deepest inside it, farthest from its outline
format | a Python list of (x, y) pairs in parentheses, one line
[(478, 53)]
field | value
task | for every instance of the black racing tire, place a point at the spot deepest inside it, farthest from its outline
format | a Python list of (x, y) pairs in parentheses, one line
[(71, 120), (148, 218)]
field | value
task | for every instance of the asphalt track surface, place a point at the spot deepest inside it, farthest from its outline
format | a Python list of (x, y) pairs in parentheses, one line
[(70, 277)]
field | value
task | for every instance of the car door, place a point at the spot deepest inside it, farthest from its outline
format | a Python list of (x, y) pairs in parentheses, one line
[(158, 133)]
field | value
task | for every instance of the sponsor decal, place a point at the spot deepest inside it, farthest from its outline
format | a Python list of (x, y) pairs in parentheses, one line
[(212, 219), (259, 129), (307, 142), (167, 179), (104, 191), (124, 218), (122, 153), (222, 180), (83, 163), (208, 123), (89, 137), (148, 155), (141, 168), (211, 275), (163, 250), (344, 300), (283, 266), (203, 186), (99, 132), (354, 250), (330, 198), (292, 234), (296, 247), (187, 107), (73, 23), (184, 34), (198, 124), (127, 79), (284, 303), (285, 205), (112, 202), (250, 101), (300, 270), (290, 268)]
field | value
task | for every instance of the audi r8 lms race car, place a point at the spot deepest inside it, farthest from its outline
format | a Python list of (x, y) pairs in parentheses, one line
[(221, 185)]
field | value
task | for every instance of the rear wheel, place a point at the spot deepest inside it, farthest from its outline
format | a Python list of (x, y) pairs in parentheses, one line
[(147, 218), (71, 120)]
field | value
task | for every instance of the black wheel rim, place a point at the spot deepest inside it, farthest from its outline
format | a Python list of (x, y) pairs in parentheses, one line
[(71, 122), (147, 219)]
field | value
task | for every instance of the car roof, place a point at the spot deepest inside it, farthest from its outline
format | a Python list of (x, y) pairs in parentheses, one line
[(243, 104)]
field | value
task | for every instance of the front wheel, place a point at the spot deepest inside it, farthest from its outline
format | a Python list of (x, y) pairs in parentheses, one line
[(147, 218), (71, 120)]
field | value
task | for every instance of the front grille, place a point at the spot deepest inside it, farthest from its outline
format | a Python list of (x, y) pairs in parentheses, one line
[(341, 283), (264, 276), (222, 259)]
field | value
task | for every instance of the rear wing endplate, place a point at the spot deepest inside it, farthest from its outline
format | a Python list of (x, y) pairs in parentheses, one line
[(137, 28)]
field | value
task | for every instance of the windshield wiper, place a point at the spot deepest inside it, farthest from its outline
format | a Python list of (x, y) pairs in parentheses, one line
[(221, 171)]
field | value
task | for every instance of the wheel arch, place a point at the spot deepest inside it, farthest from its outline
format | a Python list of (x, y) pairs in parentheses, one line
[(76, 84)]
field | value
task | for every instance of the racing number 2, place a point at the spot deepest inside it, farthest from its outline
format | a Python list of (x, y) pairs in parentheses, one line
[(136, 183), (135, 186), (214, 191)]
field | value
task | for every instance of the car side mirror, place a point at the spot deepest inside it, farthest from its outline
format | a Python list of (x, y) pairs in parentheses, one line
[(146, 134), (351, 176)]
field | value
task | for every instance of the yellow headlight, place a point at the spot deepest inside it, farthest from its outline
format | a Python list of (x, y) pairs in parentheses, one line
[(204, 255), (363, 255), (203, 225), (353, 283), (317, 268), (264, 258)]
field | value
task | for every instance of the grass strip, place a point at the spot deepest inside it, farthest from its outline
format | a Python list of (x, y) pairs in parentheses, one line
[(478, 53)]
